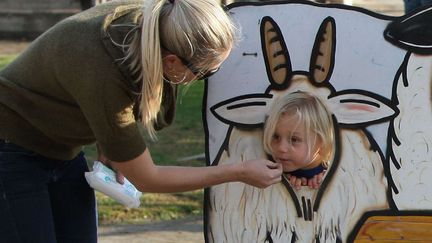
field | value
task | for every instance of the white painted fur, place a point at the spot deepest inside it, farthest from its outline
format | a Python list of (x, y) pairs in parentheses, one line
[(411, 127)]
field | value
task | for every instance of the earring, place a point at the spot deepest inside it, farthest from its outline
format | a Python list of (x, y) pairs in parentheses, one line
[(170, 82)]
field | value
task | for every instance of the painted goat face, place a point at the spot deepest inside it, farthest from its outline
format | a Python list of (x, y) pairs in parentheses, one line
[(350, 107)]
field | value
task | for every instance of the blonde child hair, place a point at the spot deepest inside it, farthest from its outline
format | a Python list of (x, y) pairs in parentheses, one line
[(310, 111), (198, 31)]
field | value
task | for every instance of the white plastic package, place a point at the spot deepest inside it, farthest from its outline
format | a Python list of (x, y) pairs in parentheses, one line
[(103, 179)]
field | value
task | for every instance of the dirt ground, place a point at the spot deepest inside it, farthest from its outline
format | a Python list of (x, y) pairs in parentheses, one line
[(176, 231)]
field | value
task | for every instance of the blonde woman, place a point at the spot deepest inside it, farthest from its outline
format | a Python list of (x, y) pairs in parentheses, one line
[(92, 78), (299, 135)]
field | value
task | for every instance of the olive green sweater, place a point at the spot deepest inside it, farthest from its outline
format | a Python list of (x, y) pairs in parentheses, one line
[(71, 87)]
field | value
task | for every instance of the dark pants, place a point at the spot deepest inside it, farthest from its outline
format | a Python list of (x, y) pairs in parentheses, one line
[(44, 200)]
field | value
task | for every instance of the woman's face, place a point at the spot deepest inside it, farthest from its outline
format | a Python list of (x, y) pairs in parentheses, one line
[(289, 145), (177, 72)]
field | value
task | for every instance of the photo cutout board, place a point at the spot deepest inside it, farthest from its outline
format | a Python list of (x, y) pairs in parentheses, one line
[(373, 72)]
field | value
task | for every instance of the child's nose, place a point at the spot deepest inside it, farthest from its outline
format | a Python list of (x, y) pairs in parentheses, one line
[(284, 146)]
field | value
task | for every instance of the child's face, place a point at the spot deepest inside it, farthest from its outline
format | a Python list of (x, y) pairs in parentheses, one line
[(289, 145)]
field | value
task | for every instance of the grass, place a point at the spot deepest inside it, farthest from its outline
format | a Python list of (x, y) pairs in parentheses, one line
[(184, 138), (5, 59), (154, 207)]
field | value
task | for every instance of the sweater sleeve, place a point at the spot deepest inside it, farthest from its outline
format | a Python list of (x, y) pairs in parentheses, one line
[(114, 124), (108, 107)]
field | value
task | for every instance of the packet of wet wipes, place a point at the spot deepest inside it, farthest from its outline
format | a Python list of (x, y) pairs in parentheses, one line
[(103, 179)]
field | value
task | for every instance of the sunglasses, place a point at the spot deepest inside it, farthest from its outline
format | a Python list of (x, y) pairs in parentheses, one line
[(199, 74), (196, 71)]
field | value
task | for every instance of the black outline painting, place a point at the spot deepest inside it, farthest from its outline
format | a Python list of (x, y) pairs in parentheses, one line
[(383, 157)]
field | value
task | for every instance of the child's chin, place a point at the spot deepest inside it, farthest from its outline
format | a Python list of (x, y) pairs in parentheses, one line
[(287, 169)]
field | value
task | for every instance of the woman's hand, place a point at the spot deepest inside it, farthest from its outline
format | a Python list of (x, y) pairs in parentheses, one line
[(102, 158), (119, 176), (260, 173)]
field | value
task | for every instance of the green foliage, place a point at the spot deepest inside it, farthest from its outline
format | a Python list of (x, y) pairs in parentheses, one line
[(185, 137)]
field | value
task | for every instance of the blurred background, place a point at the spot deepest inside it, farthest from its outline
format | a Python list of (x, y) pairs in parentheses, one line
[(26, 19)]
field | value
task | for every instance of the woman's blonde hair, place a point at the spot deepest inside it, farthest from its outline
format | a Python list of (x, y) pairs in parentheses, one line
[(199, 31), (310, 111)]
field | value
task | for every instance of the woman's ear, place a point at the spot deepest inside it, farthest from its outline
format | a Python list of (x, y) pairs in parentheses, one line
[(169, 61)]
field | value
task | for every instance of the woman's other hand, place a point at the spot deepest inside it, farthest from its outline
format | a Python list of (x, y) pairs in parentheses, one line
[(104, 160)]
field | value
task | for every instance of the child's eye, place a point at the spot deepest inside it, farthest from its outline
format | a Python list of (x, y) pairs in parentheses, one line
[(275, 137), (296, 140)]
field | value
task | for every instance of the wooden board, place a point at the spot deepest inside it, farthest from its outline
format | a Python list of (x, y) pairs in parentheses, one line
[(396, 229)]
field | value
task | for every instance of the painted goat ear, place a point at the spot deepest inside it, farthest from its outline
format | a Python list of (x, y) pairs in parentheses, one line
[(323, 53), (276, 55), (412, 32), (360, 109), (247, 111)]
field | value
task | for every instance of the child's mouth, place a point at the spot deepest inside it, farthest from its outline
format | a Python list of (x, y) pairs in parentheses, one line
[(283, 160)]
